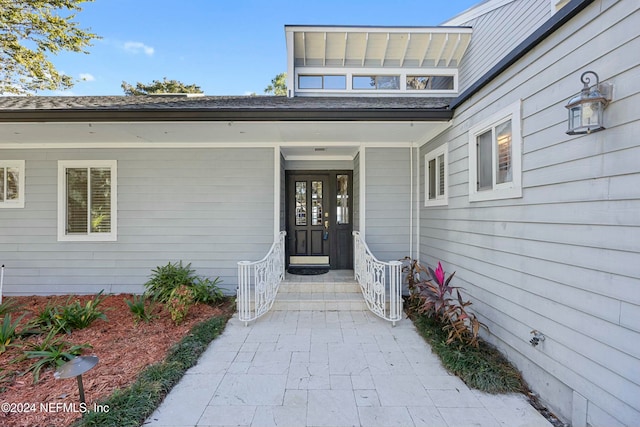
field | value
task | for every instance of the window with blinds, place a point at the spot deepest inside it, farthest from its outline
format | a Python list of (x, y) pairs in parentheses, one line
[(88, 200), (11, 183), (495, 150), (436, 176)]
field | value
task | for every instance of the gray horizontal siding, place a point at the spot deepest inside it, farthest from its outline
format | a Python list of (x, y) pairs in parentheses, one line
[(562, 259), (388, 202), (208, 207), (492, 39)]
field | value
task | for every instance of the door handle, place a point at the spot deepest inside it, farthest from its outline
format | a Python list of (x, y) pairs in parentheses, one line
[(326, 225)]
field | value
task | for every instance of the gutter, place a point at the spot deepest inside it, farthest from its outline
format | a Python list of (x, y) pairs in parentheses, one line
[(556, 21), (231, 114)]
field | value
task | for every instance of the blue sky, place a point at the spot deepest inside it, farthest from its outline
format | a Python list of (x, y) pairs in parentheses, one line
[(232, 47)]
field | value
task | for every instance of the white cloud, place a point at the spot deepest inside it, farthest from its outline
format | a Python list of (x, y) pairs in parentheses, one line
[(87, 77), (138, 47)]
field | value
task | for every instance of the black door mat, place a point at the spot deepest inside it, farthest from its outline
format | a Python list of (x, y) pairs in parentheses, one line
[(307, 271)]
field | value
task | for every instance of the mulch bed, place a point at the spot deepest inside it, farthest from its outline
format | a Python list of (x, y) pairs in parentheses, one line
[(123, 346)]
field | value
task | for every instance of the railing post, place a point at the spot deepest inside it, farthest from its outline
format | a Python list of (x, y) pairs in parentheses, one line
[(264, 278), (395, 291), (374, 276), (244, 298)]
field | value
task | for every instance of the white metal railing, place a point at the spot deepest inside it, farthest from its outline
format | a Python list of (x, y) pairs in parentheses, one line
[(380, 282), (258, 282)]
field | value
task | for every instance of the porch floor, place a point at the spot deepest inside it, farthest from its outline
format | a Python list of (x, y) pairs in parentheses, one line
[(330, 368), (333, 291)]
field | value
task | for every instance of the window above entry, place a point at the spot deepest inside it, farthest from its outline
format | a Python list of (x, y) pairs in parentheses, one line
[(414, 60)]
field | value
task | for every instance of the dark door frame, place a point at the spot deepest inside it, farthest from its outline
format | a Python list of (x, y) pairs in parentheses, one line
[(340, 235)]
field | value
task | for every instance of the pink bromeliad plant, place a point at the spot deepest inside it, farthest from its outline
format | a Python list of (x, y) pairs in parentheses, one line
[(434, 297)]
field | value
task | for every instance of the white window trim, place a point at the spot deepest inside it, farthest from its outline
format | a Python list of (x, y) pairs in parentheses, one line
[(89, 237), (507, 190), (350, 72), (441, 200), (19, 203)]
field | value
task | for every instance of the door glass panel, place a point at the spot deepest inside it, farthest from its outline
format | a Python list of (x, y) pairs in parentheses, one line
[(342, 216), (316, 202), (301, 203)]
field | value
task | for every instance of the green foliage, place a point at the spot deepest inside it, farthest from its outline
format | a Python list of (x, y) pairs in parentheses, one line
[(78, 316), (138, 308), (71, 316), (433, 296), (278, 85), (52, 352), (481, 367), (157, 86), (207, 291), (9, 306), (165, 279), (180, 301), (132, 405), (8, 331), (30, 31), (49, 319)]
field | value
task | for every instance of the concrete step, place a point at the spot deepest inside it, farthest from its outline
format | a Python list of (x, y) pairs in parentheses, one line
[(319, 295), (319, 287), (329, 301)]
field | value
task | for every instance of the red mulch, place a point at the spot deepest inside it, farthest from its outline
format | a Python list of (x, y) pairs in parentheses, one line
[(123, 347)]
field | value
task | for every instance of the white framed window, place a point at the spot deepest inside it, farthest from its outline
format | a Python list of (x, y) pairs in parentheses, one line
[(436, 178), (495, 156), (11, 184), (87, 197)]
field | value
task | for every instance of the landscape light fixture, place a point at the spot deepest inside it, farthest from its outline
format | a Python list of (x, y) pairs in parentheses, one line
[(586, 110), (75, 368)]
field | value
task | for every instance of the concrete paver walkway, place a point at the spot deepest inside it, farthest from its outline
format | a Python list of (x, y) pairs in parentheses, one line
[(330, 368)]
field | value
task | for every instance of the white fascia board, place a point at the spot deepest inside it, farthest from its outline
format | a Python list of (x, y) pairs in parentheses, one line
[(367, 29)]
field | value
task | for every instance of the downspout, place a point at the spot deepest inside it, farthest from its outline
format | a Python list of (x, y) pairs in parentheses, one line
[(276, 192), (417, 203), (411, 203)]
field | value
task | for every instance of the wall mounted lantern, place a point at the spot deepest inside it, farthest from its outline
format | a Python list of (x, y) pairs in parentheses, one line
[(586, 110)]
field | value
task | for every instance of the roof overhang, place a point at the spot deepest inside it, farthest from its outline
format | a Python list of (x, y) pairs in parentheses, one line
[(234, 114), (337, 46)]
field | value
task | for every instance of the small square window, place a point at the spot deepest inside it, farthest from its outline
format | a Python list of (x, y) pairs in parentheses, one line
[(11, 184), (495, 164), (87, 200), (436, 177)]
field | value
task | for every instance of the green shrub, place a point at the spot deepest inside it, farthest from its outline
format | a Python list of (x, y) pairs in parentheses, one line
[(8, 331), (432, 294), (9, 306), (70, 316), (165, 279), (207, 291), (78, 316), (180, 300), (49, 319), (138, 308), (482, 367), (52, 352)]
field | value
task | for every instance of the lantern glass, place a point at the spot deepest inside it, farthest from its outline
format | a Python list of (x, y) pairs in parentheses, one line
[(586, 110)]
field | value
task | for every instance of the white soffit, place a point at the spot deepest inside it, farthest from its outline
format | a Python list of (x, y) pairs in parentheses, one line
[(411, 47)]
